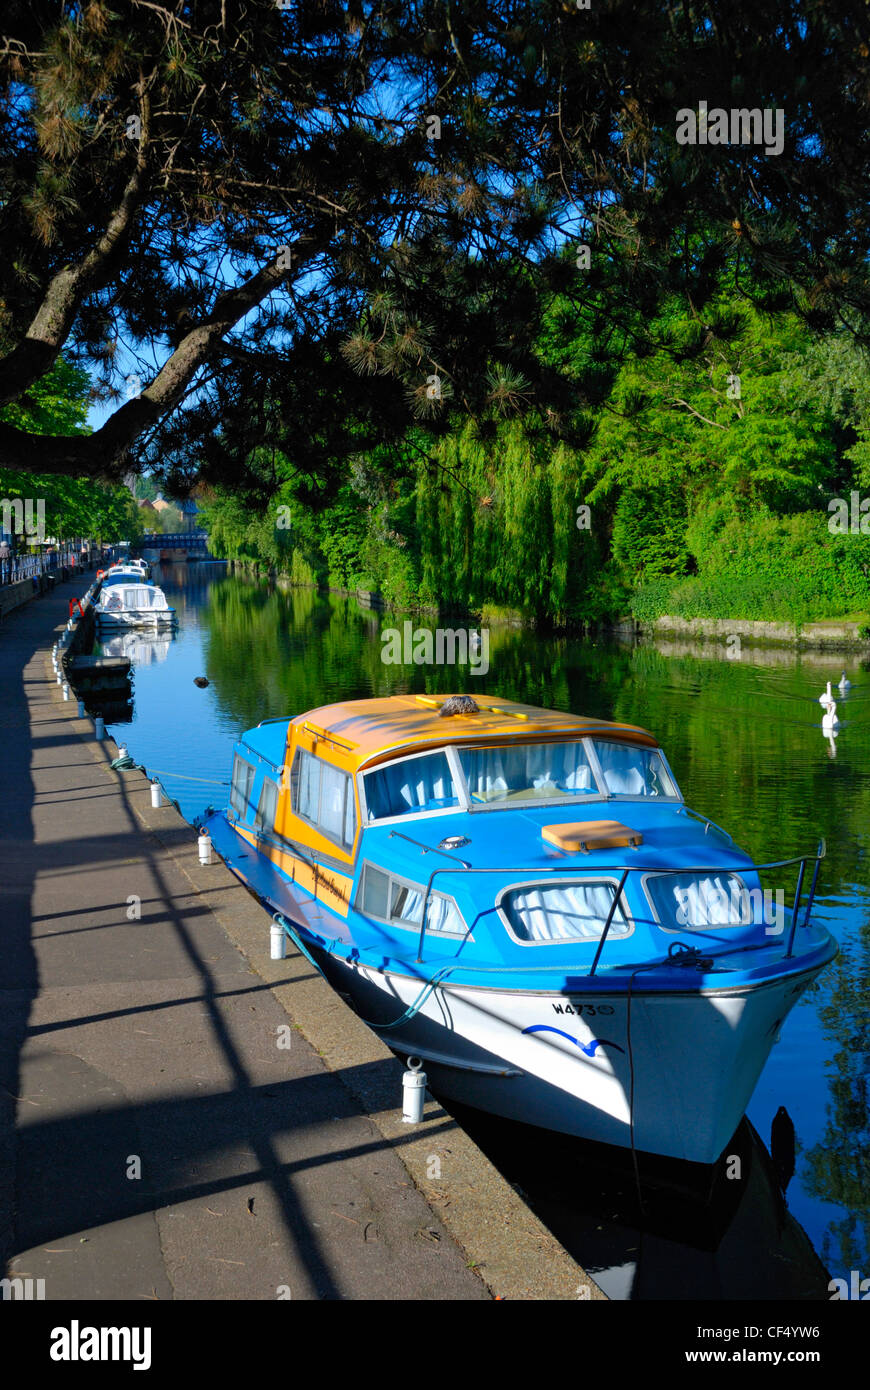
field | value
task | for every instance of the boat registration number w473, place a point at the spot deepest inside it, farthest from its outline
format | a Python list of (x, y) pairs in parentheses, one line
[(589, 1010)]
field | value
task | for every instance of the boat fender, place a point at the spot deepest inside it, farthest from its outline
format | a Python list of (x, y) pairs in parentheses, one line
[(413, 1092)]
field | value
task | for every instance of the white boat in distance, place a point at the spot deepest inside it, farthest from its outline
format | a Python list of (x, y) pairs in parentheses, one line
[(133, 605), (135, 569)]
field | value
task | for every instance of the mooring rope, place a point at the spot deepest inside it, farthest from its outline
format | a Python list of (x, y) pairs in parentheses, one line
[(122, 763)]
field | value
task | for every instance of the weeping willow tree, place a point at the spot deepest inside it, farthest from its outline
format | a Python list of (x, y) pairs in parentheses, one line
[(502, 523)]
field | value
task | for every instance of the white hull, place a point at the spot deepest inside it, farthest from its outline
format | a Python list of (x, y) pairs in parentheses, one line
[(135, 619), (696, 1057)]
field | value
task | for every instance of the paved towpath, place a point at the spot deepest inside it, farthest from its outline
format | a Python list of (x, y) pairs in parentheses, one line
[(156, 1142), (166, 1146)]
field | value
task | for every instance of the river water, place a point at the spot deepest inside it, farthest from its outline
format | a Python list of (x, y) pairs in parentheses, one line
[(742, 731)]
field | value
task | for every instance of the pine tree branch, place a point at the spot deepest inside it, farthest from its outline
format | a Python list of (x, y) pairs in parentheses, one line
[(103, 454), (50, 328)]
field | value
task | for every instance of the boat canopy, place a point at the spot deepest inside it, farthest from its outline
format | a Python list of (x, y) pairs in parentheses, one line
[(362, 733), (119, 597)]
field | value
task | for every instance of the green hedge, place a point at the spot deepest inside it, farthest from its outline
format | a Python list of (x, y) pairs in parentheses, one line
[(766, 567)]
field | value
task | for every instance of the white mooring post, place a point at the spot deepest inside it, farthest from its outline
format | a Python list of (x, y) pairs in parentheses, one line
[(156, 794), (413, 1092)]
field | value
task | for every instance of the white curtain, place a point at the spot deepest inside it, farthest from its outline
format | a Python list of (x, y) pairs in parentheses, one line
[(243, 780), (441, 914), (683, 901), (546, 768), (624, 768), (309, 787), (139, 596), (417, 784), (332, 801), (572, 911), (406, 904)]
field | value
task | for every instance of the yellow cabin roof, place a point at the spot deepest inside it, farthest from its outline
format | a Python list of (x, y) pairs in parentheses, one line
[(355, 733)]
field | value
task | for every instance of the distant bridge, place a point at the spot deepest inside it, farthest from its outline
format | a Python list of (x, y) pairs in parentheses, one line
[(188, 542)]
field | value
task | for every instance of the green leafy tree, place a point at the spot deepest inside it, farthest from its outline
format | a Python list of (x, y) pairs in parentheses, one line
[(74, 507), (236, 193)]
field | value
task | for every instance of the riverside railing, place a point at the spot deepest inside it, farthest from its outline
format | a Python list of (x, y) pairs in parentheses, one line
[(19, 567)]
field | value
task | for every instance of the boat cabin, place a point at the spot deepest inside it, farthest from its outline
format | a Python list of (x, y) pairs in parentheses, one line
[(126, 597), (322, 777)]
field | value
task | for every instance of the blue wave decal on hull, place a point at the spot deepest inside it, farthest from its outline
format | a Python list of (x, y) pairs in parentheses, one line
[(588, 1049)]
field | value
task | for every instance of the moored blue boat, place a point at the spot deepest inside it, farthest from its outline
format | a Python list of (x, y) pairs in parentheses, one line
[(521, 898)]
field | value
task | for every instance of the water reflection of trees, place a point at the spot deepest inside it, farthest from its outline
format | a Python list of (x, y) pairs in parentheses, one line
[(838, 1167), (729, 728), (272, 652)]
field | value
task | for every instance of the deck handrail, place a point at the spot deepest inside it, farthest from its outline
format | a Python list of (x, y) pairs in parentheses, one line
[(582, 870), (314, 860)]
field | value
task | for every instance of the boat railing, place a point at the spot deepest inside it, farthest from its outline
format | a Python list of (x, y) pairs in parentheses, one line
[(429, 849), (581, 870), (707, 822)]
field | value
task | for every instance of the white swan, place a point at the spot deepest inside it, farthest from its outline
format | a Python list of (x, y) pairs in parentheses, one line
[(845, 683), (829, 718), (827, 697)]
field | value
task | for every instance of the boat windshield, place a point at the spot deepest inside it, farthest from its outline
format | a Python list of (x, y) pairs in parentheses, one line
[(632, 771), (528, 772), (132, 596), (513, 774)]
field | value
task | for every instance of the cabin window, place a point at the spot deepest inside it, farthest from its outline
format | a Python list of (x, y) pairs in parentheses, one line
[(323, 795), (631, 771), (240, 789), (567, 912), (267, 805), (307, 797), (528, 772), (701, 902), (395, 900), (411, 784)]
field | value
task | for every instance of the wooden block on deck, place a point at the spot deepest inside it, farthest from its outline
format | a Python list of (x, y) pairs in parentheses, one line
[(591, 834)]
